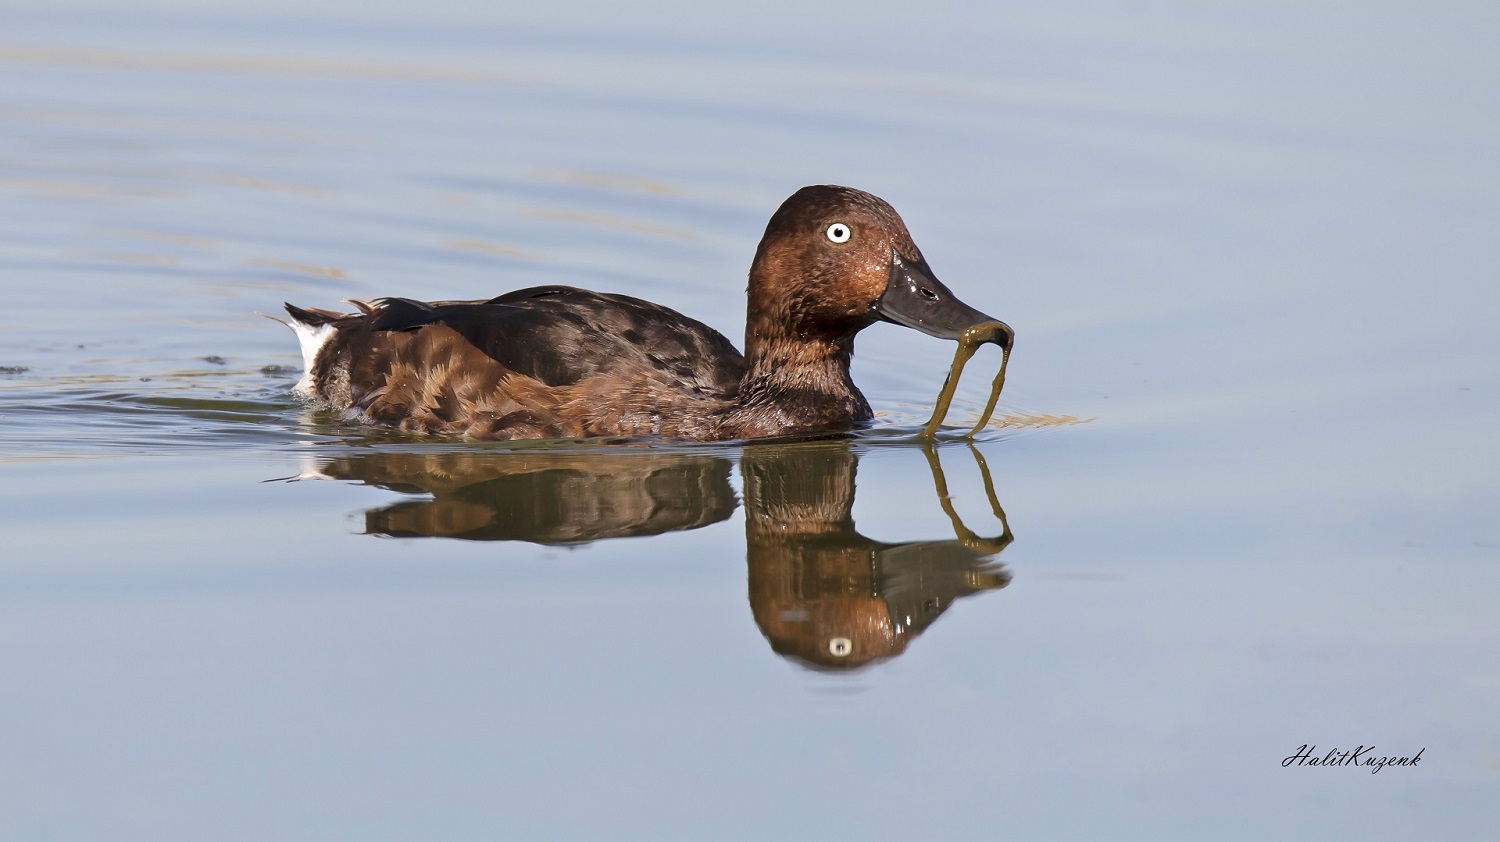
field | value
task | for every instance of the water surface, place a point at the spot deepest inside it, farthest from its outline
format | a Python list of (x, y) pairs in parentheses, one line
[(1241, 498)]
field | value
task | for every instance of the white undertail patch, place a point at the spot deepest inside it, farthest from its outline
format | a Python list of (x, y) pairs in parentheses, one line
[(312, 339)]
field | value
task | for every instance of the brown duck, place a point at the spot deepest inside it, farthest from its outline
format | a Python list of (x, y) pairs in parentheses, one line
[(560, 362)]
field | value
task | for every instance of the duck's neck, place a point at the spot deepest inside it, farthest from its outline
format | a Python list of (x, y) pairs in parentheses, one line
[(800, 384)]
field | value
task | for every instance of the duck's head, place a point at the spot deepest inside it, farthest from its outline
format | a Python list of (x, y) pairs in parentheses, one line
[(835, 260)]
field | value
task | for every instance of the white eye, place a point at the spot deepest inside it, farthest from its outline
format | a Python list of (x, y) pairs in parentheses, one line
[(840, 647), (839, 232)]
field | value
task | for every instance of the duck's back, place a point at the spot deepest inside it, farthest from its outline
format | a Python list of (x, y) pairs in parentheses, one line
[(545, 362)]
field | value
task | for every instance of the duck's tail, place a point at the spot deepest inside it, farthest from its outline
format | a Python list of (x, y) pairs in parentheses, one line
[(313, 328)]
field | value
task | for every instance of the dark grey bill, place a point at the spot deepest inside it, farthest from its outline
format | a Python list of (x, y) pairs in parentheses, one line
[(914, 298)]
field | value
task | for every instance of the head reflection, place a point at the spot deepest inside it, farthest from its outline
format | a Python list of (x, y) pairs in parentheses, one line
[(823, 595), (827, 596)]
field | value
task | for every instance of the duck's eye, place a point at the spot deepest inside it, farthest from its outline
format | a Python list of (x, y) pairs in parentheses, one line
[(839, 232)]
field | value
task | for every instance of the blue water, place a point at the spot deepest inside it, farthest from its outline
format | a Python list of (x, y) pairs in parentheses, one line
[(1246, 446)]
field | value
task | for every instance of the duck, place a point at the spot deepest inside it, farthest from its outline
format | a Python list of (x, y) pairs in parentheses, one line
[(558, 362)]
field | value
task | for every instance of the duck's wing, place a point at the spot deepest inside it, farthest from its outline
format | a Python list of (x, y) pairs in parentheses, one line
[(561, 336), (546, 362)]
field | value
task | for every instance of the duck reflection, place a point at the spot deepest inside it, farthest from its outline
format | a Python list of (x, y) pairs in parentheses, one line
[(823, 595), (544, 498)]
